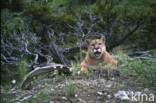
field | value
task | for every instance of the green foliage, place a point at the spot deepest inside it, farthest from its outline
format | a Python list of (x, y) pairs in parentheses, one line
[(43, 96), (120, 53), (5, 92), (22, 69), (59, 78), (143, 71), (17, 5), (13, 5), (11, 21), (70, 88), (144, 3), (120, 17), (75, 65), (42, 13), (147, 35), (117, 18), (59, 6), (45, 14), (61, 12)]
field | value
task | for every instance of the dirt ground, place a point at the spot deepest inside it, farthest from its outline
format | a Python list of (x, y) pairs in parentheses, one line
[(93, 88)]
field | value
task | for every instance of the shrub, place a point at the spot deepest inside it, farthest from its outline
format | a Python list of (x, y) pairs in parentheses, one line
[(22, 69), (70, 88), (143, 71)]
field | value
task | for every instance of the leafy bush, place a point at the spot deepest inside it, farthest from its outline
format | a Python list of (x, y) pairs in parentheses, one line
[(143, 71), (147, 35), (120, 20)]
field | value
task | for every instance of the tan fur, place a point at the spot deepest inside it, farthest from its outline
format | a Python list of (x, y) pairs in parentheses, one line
[(91, 60)]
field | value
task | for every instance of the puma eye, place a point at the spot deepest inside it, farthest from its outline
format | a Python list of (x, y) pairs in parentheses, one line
[(92, 44), (99, 43)]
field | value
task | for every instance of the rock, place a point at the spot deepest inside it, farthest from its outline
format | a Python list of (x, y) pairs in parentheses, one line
[(108, 86), (109, 96), (98, 97), (51, 102), (52, 89), (113, 79), (107, 102), (121, 85), (76, 95), (138, 93), (64, 98), (105, 90), (121, 95), (146, 90), (100, 93), (81, 101), (126, 95), (13, 81), (105, 93)]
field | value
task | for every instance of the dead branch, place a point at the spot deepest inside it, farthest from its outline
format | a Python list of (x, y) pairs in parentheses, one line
[(19, 46), (139, 53), (144, 55), (74, 48), (43, 70), (54, 48)]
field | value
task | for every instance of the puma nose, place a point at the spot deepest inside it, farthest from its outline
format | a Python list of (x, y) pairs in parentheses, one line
[(96, 47)]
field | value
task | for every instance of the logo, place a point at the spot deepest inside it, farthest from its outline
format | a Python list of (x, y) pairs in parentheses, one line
[(134, 96)]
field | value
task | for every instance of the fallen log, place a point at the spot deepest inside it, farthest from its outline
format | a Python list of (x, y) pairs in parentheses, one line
[(45, 69), (139, 53)]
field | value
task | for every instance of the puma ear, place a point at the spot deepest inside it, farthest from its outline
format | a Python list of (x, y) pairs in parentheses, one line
[(87, 41), (103, 39)]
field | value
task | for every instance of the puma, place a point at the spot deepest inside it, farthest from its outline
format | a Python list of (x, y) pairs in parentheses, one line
[(97, 54)]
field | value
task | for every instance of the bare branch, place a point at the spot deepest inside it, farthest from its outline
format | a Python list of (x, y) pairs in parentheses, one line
[(45, 69)]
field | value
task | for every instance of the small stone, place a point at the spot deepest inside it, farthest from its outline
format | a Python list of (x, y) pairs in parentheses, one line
[(121, 85), (13, 81), (82, 101), (106, 101), (105, 93), (122, 95), (113, 79), (138, 93), (105, 89), (100, 93), (52, 89), (109, 96), (146, 90), (51, 102), (64, 98), (70, 69), (108, 86), (76, 95), (61, 66)]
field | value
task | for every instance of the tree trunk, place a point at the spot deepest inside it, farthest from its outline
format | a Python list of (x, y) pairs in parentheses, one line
[(55, 50)]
